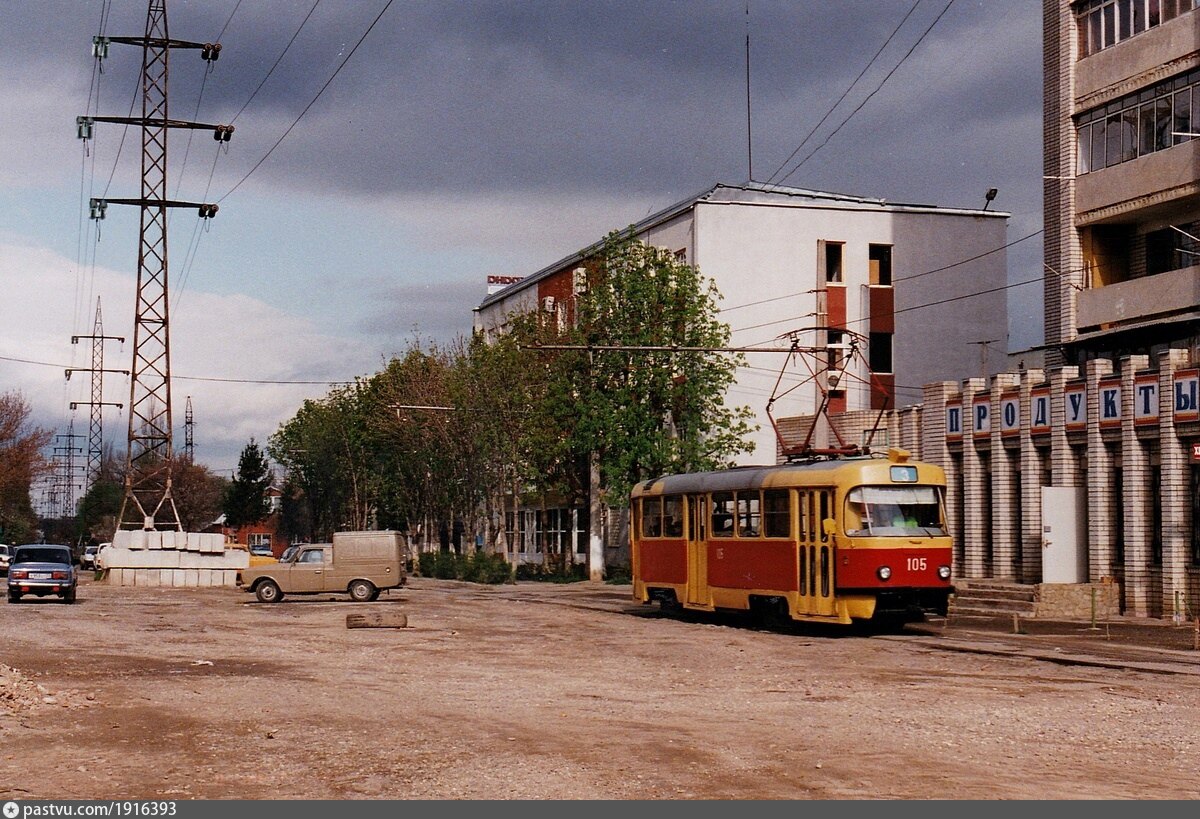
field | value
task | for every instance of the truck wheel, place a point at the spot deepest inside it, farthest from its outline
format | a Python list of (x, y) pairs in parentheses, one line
[(268, 592), (361, 591)]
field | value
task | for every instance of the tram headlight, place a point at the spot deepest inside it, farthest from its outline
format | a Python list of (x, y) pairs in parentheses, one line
[(944, 572), (884, 572)]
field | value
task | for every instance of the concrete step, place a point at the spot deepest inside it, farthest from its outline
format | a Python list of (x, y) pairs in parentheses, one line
[(975, 593), (999, 585), (998, 606), (957, 611)]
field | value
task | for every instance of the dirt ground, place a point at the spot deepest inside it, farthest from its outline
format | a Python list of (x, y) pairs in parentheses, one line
[(537, 691)]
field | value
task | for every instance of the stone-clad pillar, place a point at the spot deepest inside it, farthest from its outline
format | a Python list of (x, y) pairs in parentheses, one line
[(1135, 487), (1101, 504), (1030, 544), (976, 497), (936, 450), (1176, 470), (1064, 466), (1005, 527)]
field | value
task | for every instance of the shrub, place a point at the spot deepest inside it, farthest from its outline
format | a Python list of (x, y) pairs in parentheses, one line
[(477, 567), (618, 575)]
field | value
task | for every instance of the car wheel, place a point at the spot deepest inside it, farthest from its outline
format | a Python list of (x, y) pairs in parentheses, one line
[(361, 591), (69, 595), (268, 592), (14, 597), (374, 595)]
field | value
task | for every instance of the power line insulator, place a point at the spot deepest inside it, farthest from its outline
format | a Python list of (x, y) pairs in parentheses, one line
[(209, 52), (223, 133), (100, 47), (208, 211), (83, 127), (97, 208)]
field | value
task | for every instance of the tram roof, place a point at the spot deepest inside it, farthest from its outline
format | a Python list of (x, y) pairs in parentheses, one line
[(750, 477)]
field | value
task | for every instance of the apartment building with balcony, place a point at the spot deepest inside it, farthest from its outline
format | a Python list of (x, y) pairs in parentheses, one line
[(1122, 178)]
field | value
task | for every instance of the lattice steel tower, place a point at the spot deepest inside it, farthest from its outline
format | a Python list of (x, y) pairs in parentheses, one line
[(97, 404), (150, 458)]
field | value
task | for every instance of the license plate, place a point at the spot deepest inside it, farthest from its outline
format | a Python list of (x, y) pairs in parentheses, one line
[(39, 575)]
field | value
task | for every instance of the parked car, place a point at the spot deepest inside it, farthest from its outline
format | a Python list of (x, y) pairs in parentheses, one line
[(42, 569), (88, 559), (5, 556), (359, 563)]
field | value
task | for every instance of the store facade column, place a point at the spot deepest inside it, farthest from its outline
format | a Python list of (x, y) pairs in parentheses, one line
[(1032, 476), (1176, 469)]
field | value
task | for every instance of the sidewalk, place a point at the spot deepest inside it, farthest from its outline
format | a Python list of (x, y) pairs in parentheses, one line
[(1142, 644)]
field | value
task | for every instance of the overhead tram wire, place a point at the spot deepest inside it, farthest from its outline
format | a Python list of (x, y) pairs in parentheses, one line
[(882, 82), (332, 77), (845, 93)]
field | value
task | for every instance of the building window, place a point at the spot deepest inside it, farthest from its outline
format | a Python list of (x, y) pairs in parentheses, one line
[(1104, 23), (260, 539), (831, 258), (880, 352), (1138, 124), (1118, 496), (879, 258), (1156, 543), (1173, 249), (1195, 516)]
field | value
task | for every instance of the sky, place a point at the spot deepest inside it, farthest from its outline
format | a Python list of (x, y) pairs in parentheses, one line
[(388, 156)]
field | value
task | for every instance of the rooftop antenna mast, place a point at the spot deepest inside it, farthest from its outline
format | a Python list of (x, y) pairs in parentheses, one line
[(148, 499)]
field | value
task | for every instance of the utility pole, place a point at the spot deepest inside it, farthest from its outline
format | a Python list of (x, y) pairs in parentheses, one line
[(97, 404), (149, 456), (983, 355)]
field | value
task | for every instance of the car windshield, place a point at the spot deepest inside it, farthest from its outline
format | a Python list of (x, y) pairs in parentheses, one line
[(46, 554), (894, 511)]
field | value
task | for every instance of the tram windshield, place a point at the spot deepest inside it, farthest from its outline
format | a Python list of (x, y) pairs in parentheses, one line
[(894, 511)]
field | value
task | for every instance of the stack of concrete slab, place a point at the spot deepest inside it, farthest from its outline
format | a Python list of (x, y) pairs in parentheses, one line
[(138, 558)]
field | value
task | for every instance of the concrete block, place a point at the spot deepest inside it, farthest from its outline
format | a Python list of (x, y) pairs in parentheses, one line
[(191, 542), (169, 540), (178, 577), (165, 576), (121, 538), (116, 577), (136, 540), (191, 577), (153, 540), (146, 577)]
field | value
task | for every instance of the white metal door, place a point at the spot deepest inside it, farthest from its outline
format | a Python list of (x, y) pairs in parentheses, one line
[(1064, 534)]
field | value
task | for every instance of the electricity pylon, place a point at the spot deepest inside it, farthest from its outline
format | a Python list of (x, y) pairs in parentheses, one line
[(189, 424), (97, 404), (149, 456)]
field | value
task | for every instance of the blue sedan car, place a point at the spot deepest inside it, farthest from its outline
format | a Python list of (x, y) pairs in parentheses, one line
[(41, 569)]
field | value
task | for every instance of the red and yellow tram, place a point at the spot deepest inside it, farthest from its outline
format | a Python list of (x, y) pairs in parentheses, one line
[(842, 540)]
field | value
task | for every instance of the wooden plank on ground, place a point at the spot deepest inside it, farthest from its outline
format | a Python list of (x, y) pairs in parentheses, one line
[(377, 619)]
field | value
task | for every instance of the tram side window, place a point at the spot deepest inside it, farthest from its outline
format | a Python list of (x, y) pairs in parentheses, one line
[(651, 517), (823, 498), (749, 515), (673, 517), (722, 515), (777, 513)]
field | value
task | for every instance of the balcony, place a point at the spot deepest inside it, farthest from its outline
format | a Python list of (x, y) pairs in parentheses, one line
[(1138, 300)]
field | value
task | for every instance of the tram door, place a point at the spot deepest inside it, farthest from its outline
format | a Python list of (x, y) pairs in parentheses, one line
[(816, 550), (697, 551)]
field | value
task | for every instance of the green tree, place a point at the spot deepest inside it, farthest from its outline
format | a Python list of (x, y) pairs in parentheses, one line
[(246, 498), (648, 413)]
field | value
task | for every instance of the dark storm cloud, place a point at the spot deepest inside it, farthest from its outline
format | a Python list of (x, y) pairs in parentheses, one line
[(600, 97)]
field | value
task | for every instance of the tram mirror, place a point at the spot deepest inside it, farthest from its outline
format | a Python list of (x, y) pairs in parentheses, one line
[(829, 526)]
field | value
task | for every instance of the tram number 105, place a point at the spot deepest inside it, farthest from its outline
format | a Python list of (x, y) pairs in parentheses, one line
[(916, 564)]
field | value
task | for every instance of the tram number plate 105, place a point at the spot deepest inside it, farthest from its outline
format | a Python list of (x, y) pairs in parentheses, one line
[(916, 564)]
